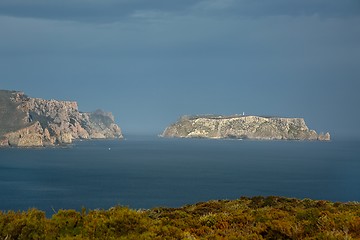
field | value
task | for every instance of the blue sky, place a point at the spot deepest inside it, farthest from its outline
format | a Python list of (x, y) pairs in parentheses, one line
[(149, 62)]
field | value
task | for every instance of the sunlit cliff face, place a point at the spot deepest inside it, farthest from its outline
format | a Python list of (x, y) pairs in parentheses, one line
[(51, 122), (251, 127)]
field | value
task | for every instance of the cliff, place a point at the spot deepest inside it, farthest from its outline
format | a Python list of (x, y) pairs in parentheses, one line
[(28, 122), (243, 127)]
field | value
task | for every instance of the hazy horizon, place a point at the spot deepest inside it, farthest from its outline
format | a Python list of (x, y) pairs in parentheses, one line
[(150, 63)]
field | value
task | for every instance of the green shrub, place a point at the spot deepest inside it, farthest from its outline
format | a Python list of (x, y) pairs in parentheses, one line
[(245, 218)]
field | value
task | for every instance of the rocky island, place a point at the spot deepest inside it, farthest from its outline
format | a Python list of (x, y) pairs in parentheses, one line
[(35, 122), (243, 127)]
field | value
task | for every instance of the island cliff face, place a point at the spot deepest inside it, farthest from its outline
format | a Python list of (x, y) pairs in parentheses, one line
[(243, 127), (31, 122)]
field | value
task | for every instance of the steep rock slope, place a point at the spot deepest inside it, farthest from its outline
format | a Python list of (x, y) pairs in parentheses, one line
[(244, 127), (28, 122)]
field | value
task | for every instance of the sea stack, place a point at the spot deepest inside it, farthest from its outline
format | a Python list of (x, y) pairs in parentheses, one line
[(242, 127)]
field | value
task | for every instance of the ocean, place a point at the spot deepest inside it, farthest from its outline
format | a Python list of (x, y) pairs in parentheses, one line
[(146, 172)]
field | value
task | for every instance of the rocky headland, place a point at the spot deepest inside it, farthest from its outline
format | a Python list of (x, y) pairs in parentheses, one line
[(35, 122), (243, 127)]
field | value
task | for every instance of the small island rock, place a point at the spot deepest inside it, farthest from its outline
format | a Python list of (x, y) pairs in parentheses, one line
[(243, 127)]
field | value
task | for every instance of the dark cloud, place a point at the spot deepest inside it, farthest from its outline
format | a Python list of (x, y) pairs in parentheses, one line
[(261, 8), (116, 10), (84, 10)]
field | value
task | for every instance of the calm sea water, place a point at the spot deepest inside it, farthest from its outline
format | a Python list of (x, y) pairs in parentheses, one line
[(144, 172)]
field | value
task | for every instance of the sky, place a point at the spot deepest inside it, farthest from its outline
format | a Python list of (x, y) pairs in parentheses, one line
[(149, 62)]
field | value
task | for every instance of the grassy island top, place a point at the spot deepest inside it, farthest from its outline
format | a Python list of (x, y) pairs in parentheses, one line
[(216, 116), (245, 218)]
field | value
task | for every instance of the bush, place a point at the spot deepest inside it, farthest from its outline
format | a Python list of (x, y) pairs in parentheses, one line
[(245, 218)]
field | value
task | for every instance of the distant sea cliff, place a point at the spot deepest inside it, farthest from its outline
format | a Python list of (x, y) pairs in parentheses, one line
[(243, 127), (35, 122)]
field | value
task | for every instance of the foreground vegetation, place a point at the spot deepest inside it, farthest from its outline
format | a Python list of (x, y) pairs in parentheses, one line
[(245, 218)]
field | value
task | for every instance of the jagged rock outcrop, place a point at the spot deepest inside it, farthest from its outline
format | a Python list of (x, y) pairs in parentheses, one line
[(28, 122), (243, 127)]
